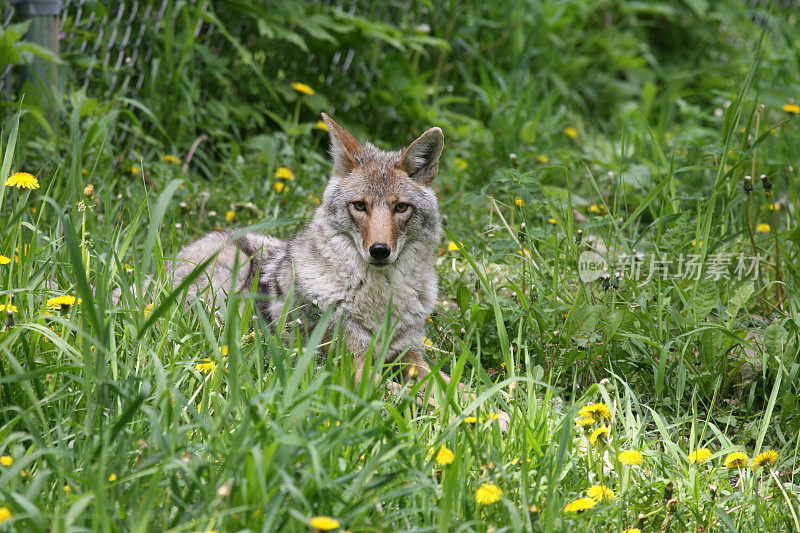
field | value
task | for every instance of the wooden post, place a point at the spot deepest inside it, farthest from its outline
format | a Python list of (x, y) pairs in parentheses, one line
[(43, 31)]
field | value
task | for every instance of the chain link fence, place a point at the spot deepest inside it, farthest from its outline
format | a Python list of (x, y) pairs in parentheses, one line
[(104, 43)]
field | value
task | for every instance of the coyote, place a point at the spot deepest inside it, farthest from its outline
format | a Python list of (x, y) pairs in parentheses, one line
[(373, 238)]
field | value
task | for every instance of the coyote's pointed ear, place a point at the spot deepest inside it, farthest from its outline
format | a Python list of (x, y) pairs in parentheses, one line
[(421, 159), (344, 147)]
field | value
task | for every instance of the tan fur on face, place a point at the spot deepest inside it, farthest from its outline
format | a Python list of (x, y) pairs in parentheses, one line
[(379, 223), (380, 227)]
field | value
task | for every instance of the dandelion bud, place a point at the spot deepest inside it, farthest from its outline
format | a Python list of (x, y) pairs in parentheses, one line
[(640, 520), (748, 184), (412, 371), (606, 284), (88, 191), (668, 490), (713, 490), (578, 236), (514, 161), (766, 183)]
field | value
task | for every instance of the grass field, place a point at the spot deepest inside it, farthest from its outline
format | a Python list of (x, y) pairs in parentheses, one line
[(659, 394)]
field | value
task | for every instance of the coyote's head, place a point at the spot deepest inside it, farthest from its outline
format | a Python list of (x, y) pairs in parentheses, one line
[(383, 200)]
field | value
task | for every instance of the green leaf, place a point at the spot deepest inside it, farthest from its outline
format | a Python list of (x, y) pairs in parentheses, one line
[(775, 340), (737, 301), (585, 320), (705, 299), (40, 51), (9, 54), (463, 298)]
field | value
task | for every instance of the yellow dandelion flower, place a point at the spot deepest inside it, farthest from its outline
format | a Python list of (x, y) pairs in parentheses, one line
[(597, 209), (147, 309), (67, 489), (595, 410), (774, 207), (427, 343), (791, 108), (205, 366), (22, 180), (552, 221), (543, 159), (5, 514), (632, 530), (61, 301), (519, 202), (8, 308), (488, 493), (134, 170), (579, 505), (320, 125), (600, 492), (284, 173), (630, 457), (445, 456), (223, 349), (302, 88), (453, 246), (699, 456), (460, 163), (230, 215), (694, 242), (470, 420), (169, 158), (585, 422), (4, 260), (735, 460), (571, 132), (6, 460), (112, 477), (492, 416), (279, 186), (599, 435), (324, 523), (762, 228), (768, 457)]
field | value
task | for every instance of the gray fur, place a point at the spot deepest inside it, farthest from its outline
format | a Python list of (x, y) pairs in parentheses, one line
[(326, 261)]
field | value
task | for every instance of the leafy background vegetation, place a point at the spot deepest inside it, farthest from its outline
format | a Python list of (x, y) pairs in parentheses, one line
[(615, 126)]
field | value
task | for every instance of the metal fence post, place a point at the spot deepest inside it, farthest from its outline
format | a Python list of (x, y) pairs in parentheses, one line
[(43, 31)]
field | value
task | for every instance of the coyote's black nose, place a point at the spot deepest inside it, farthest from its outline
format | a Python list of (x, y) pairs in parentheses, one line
[(380, 251)]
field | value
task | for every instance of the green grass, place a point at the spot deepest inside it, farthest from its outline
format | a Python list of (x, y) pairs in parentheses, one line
[(109, 423)]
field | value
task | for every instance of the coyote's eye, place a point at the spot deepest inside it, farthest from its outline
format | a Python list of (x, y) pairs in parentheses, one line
[(401, 208), (359, 206)]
